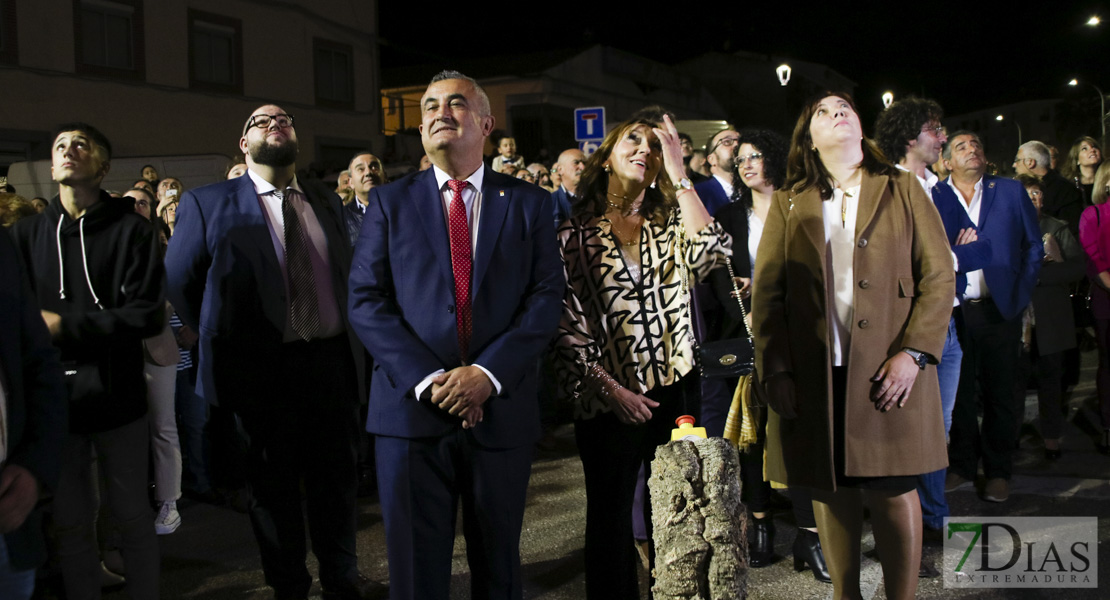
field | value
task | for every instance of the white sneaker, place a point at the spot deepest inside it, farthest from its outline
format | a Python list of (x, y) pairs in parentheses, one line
[(168, 519)]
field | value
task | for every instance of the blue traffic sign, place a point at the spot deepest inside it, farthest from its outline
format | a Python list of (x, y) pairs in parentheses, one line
[(589, 123)]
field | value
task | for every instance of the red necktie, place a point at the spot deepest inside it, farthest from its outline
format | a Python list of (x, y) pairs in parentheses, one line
[(459, 231)]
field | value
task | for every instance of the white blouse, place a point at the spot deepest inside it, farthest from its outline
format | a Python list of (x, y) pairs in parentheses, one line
[(840, 245)]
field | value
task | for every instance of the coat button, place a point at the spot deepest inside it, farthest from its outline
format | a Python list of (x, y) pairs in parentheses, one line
[(863, 324), (863, 242), (451, 308), (864, 284)]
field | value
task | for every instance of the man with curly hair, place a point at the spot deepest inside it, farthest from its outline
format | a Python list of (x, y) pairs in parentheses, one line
[(910, 134)]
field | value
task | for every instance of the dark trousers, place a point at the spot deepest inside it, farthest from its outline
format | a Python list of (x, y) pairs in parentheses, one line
[(612, 454), (303, 430), (991, 345), (1049, 372), (420, 484)]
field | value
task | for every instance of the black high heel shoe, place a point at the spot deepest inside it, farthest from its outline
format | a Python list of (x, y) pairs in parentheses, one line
[(807, 550), (761, 542)]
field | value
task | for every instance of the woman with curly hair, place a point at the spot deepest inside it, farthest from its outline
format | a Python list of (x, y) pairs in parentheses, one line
[(760, 169), (638, 237)]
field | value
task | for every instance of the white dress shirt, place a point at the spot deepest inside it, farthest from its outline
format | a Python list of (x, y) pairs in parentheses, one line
[(976, 282), (725, 183)]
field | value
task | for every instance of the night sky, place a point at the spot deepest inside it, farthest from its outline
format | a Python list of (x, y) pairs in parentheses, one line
[(965, 54)]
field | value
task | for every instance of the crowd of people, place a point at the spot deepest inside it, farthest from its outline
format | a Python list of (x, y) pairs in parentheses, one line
[(282, 347)]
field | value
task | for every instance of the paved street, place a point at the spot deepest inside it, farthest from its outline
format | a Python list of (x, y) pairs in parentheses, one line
[(213, 555)]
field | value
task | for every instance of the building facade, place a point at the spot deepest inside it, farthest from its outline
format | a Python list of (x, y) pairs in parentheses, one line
[(178, 77)]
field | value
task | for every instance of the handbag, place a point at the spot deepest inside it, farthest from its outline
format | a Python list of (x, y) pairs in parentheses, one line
[(731, 357)]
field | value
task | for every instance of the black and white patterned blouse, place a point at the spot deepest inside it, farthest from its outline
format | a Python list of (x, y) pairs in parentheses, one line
[(636, 325)]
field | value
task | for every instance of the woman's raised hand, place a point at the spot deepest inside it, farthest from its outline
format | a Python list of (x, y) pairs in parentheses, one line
[(672, 149)]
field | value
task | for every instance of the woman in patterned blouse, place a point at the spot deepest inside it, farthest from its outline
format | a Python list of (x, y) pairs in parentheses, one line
[(634, 243)]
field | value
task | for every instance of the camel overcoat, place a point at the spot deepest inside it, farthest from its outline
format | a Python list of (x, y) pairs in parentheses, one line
[(903, 299)]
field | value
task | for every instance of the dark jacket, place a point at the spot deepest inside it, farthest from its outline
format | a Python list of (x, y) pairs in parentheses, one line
[(226, 282), (1062, 200), (32, 379), (1055, 324), (352, 217), (733, 218), (107, 286)]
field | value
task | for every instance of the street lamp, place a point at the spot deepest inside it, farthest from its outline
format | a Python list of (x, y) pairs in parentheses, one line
[(1101, 101), (784, 73), (1094, 21), (888, 99), (1016, 124)]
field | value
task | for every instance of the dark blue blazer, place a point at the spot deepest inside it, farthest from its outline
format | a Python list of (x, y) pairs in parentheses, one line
[(562, 205), (1008, 221), (970, 257), (402, 303), (224, 279), (36, 397), (712, 194)]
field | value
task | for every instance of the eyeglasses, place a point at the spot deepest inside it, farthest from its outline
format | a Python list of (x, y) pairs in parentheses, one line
[(726, 142), (937, 130), (755, 157), (263, 121)]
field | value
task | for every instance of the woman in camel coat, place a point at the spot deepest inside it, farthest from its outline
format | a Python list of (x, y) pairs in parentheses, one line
[(853, 288)]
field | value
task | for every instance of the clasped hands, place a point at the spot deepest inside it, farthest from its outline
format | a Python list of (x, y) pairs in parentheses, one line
[(461, 392)]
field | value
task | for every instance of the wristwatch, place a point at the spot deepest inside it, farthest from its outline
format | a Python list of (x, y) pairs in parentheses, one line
[(683, 184), (920, 358)]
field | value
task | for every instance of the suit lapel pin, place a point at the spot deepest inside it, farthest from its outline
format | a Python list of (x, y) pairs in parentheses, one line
[(503, 191), (991, 185)]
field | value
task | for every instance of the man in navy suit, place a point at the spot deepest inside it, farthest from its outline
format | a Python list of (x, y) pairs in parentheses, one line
[(456, 289), (989, 319), (258, 265), (720, 154)]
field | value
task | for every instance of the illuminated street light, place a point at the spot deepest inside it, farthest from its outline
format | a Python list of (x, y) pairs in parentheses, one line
[(888, 99), (1094, 21), (784, 73)]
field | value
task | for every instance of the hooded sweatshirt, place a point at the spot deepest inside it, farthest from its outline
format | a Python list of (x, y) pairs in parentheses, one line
[(103, 274)]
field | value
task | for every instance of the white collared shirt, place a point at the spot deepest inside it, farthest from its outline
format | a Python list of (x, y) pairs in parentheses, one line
[(725, 183), (472, 199), (840, 248), (928, 182), (976, 282)]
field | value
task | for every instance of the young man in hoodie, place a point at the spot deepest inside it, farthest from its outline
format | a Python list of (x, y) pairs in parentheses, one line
[(96, 271)]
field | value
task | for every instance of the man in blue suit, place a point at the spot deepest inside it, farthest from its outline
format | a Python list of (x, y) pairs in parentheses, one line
[(989, 319), (456, 289), (258, 265), (720, 154)]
